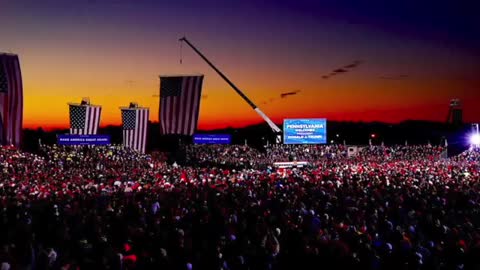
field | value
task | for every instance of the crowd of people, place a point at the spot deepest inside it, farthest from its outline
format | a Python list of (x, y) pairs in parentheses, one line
[(245, 156), (399, 207)]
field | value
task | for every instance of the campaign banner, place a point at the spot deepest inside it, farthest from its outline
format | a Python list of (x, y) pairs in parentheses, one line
[(305, 131), (75, 139), (212, 138)]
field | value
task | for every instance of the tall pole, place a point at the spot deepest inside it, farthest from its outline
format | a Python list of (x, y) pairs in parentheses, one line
[(239, 92)]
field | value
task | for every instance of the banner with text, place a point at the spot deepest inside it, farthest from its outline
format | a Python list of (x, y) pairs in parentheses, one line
[(305, 131), (212, 138), (74, 139)]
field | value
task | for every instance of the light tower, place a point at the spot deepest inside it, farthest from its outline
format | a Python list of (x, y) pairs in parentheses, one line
[(475, 136), (455, 112)]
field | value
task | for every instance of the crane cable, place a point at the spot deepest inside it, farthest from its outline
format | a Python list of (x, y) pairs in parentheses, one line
[(181, 52)]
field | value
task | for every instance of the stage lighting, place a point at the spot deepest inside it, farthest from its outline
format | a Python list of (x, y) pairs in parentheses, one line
[(475, 139)]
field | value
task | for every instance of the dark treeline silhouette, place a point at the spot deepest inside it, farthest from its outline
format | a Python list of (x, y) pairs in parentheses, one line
[(352, 133)]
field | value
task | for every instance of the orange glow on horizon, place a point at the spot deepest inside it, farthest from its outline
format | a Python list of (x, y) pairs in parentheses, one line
[(362, 104)]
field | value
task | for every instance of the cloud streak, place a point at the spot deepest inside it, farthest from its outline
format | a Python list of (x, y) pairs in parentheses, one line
[(292, 93), (281, 96), (394, 77), (345, 69), (339, 70), (355, 64), (130, 82)]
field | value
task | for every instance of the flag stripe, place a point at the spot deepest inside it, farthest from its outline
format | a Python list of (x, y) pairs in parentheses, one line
[(88, 116), (172, 116), (143, 134), (188, 106), (97, 120), (19, 104), (138, 119), (187, 85), (191, 91), (190, 102), (144, 126), (91, 123), (161, 117), (130, 138), (147, 116), (196, 105), (168, 108), (11, 101), (180, 106), (7, 104)]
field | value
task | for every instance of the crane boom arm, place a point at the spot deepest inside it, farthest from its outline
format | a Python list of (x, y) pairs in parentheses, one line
[(272, 125)]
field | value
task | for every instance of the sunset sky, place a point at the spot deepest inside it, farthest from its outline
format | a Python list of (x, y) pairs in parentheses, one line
[(407, 58)]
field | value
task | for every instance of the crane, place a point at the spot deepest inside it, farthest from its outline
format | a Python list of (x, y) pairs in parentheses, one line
[(272, 125)]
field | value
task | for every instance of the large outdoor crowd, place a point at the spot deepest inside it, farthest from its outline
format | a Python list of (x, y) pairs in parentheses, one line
[(379, 207)]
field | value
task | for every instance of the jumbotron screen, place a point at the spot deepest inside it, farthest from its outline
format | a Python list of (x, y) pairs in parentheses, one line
[(305, 131)]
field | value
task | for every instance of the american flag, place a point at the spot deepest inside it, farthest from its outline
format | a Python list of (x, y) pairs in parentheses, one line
[(135, 124), (179, 104), (11, 100), (84, 120)]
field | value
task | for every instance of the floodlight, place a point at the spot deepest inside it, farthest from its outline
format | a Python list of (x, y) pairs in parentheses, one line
[(475, 139)]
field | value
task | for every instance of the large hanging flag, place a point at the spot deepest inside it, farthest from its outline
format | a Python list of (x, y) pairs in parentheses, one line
[(179, 104), (135, 124), (11, 100), (84, 119)]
